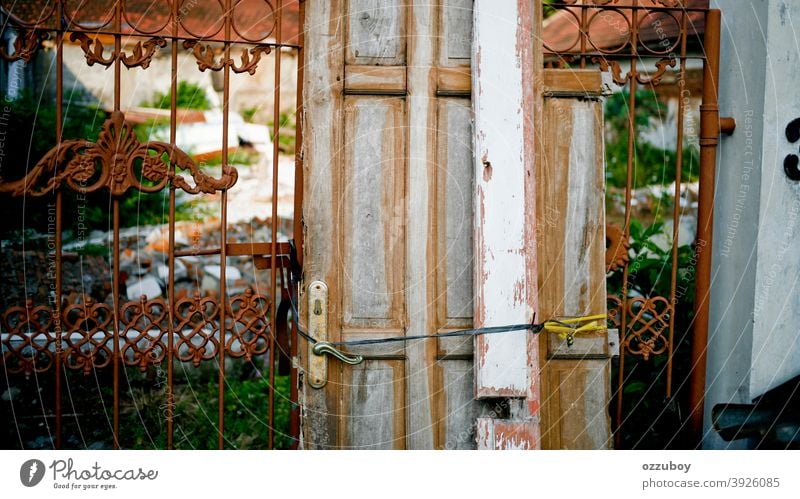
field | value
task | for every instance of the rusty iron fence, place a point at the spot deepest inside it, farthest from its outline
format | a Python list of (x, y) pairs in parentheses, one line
[(82, 334), (667, 49)]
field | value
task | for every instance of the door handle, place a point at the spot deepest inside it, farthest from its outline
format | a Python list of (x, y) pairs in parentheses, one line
[(323, 347), (318, 328)]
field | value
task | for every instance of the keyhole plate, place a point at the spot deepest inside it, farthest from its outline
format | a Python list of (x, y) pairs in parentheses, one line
[(317, 328)]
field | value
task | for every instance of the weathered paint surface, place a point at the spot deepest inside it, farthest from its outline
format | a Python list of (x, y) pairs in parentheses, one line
[(505, 284), (754, 304), (572, 279), (499, 434), (389, 129)]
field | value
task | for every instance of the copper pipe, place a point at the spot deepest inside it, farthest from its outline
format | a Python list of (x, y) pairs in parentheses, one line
[(709, 138), (276, 120), (294, 396)]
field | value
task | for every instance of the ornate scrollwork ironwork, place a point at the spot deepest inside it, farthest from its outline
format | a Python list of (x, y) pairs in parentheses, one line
[(88, 335), (649, 319), (250, 330), (112, 162), (25, 45), (26, 348), (145, 323), (206, 58), (141, 55)]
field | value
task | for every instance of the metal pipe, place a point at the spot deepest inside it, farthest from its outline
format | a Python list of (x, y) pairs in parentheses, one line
[(709, 138)]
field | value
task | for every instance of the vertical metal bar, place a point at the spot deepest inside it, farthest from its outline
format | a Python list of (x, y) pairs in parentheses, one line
[(676, 213), (171, 255), (584, 33), (59, 284), (627, 227), (294, 412), (276, 118), (709, 138), (223, 254), (115, 279)]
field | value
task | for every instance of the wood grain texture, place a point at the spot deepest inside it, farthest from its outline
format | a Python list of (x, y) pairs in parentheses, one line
[(322, 105), (376, 32), (375, 405), (572, 82), (576, 405), (375, 80), (371, 195), (373, 218), (571, 227)]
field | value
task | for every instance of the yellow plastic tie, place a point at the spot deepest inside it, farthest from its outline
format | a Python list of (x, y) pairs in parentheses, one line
[(568, 327)]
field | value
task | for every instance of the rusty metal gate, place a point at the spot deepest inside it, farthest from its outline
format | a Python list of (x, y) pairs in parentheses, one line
[(75, 332), (657, 296)]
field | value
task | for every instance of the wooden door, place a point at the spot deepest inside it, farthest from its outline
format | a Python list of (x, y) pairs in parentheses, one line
[(388, 173)]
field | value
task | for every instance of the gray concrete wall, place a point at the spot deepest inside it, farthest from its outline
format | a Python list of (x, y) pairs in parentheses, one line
[(753, 339)]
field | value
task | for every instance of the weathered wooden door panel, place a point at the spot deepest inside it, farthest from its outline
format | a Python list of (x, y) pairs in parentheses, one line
[(571, 259), (388, 213)]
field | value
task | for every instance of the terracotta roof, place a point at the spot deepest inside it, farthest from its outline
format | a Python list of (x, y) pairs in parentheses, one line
[(610, 29), (253, 19)]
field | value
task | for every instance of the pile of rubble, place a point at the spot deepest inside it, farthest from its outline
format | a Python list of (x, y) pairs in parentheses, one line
[(29, 274)]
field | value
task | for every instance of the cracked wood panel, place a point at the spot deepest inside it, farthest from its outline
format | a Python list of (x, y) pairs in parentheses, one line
[(572, 282), (373, 222)]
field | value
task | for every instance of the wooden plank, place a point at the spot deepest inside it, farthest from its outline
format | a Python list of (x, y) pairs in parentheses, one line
[(577, 403), (572, 82), (453, 82), (571, 225), (376, 32), (422, 383), (374, 410), (459, 408), (324, 60), (505, 243), (456, 33), (374, 212), (375, 80)]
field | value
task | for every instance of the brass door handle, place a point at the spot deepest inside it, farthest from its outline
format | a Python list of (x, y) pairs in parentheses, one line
[(323, 347)]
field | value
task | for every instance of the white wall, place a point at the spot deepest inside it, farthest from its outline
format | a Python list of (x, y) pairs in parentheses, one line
[(753, 340)]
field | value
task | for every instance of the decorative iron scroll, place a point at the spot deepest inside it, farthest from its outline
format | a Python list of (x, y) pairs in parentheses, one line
[(25, 44), (647, 322), (87, 333), (118, 162), (206, 58), (141, 56)]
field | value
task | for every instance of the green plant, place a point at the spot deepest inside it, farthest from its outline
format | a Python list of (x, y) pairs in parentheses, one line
[(651, 420), (189, 96), (651, 164), (286, 141), (249, 113), (29, 129)]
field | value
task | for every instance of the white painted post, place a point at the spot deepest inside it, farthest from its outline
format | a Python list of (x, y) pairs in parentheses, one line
[(503, 96), (753, 343)]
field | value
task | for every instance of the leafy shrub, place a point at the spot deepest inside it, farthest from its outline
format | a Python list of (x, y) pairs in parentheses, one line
[(189, 96), (651, 165)]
